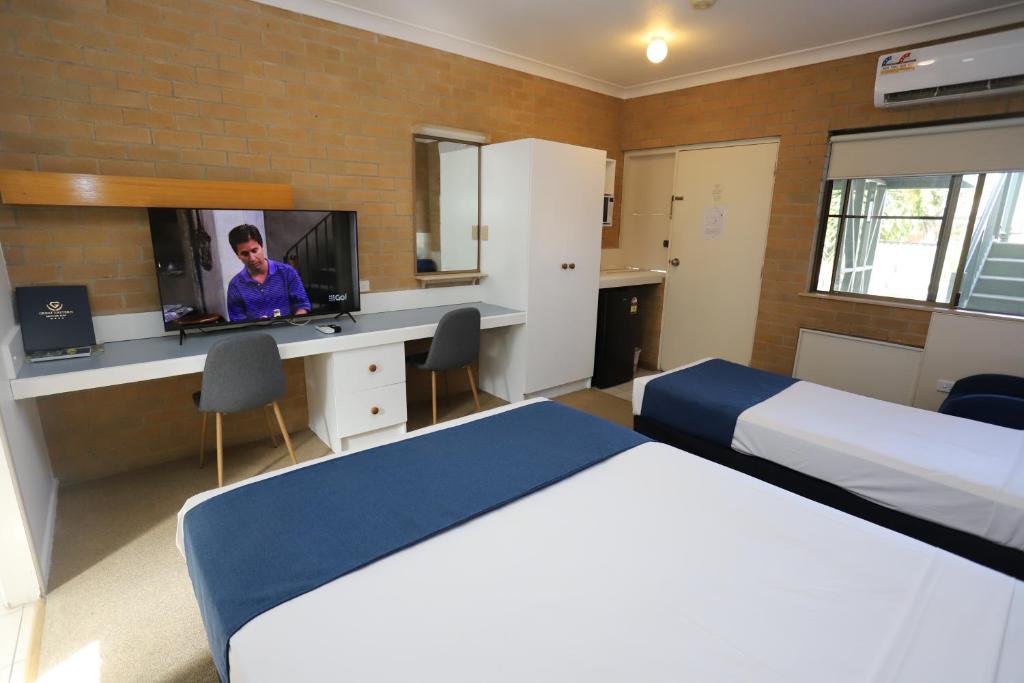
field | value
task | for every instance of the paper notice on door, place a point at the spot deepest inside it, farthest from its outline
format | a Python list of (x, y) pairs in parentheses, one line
[(714, 222)]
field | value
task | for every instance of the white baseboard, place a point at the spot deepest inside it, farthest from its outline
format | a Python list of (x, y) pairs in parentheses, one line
[(561, 390)]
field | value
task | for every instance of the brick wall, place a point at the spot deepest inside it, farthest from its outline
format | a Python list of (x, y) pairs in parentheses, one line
[(799, 106), (97, 432), (652, 298), (234, 90), (227, 90)]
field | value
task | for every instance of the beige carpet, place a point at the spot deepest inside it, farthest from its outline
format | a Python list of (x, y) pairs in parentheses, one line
[(120, 606)]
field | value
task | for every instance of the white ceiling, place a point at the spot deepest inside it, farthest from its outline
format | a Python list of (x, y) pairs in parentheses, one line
[(599, 44)]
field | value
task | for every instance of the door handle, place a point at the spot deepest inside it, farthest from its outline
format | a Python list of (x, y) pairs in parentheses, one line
[(674, 262)]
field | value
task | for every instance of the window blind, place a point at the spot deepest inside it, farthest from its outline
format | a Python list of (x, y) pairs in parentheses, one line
[(961, 148)]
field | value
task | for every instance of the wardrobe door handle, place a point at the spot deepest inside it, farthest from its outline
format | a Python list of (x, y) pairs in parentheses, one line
[(373, 367), (572, 266), (565, 266)]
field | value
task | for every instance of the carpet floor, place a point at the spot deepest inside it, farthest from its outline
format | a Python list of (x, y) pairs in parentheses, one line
[(120, 605)]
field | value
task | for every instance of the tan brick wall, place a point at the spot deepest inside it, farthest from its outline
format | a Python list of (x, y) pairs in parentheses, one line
[(799, 106), (227, 90), (652, 298), (235, 90), (97, 432)]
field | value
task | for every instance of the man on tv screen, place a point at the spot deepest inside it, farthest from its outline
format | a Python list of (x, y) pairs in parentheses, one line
[(264, 288)]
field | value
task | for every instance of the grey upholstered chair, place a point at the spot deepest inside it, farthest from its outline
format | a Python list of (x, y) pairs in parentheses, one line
[(456, 344), (242, 372)]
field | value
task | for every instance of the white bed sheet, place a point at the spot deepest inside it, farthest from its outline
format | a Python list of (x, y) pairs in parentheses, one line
[(960, 473), (652, 566)]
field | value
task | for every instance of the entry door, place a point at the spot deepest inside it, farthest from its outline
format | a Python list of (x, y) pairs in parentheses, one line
[(646, 199), (721, 205)]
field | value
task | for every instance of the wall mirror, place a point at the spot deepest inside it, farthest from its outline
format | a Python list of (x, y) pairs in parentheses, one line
[(447, 205)]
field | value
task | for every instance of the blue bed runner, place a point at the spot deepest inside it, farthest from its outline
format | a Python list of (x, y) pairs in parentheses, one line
[(706, 400), (255, 547)]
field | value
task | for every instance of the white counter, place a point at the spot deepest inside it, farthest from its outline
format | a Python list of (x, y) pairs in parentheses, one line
[(630, 278)]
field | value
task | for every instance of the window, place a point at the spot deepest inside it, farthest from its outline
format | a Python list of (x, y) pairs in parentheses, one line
[(953, 239)]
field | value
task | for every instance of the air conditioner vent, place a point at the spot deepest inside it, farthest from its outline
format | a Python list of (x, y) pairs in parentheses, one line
[(989, 64), (990, 86), (909, 95), (1008, 82)]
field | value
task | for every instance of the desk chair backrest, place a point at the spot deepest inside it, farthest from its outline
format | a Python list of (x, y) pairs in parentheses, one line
[(456, 342), (242, 372)]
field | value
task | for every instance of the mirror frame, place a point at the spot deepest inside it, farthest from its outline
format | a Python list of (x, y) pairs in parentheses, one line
[(479, 197)]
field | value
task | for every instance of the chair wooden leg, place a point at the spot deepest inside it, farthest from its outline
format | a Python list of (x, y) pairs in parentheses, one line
[(284, 432), (202, 441), (472, 385), (220, 452), (270, 427), (433, 393)]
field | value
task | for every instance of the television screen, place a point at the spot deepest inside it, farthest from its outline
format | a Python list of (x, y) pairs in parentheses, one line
[(229, 266)]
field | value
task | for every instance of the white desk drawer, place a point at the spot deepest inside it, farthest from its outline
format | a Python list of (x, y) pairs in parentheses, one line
[(371, 409), (375, 366)]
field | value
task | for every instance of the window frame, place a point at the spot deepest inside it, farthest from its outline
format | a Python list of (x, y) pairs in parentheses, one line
[(942, 245)]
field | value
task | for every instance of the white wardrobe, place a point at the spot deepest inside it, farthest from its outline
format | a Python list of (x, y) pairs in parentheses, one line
[(541, 205)]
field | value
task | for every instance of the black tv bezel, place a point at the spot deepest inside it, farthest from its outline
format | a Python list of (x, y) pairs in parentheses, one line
[(339, 309)]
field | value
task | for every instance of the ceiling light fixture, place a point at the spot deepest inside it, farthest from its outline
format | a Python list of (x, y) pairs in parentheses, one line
[(657, 50)]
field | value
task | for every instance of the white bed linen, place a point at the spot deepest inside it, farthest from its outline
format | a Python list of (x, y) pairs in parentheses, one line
[(960, 473), (652, 566)]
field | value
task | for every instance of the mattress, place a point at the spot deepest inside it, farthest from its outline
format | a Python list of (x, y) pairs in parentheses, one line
[(654, 565), (963, 474)]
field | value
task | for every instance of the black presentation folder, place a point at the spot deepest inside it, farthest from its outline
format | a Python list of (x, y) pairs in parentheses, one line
[(55, 321)]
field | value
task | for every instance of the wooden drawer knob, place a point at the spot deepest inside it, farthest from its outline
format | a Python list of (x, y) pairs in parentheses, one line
[(374, 410), (373, 367)]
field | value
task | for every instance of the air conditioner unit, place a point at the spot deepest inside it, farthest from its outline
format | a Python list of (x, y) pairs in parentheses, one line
[(987, 65)]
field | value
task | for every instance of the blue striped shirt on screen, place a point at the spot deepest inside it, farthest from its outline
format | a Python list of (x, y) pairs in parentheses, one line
[(280, 294)]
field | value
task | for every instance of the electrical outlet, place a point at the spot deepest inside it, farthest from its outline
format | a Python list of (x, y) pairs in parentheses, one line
[(364, 285), (944, 385)]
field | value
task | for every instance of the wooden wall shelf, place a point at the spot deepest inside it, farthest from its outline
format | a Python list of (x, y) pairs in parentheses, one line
[(79, 189), (427, 279)]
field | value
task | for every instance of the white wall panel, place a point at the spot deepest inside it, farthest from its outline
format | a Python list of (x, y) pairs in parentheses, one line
[(862, 366), (960, 344)]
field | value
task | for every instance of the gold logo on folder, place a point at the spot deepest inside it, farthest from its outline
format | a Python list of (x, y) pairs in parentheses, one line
[(55, 311)]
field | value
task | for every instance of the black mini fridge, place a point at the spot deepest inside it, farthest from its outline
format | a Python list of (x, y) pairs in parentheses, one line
[(619, 332)]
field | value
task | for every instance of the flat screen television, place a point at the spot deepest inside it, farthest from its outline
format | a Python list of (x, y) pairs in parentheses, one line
[(234, 266)]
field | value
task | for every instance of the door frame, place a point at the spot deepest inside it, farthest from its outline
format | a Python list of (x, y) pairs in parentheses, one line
[(777, 140)]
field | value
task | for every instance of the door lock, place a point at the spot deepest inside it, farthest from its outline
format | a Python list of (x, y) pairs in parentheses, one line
[(672, 204), (674, 262)]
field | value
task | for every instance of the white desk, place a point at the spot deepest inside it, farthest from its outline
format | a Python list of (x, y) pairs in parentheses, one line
[(347, 374)]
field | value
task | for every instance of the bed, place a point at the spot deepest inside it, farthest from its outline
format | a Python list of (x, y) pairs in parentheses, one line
[(951, 482), (648, 564)]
